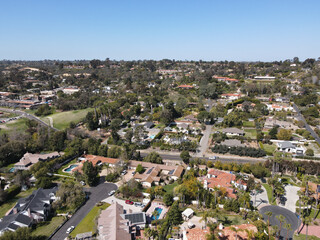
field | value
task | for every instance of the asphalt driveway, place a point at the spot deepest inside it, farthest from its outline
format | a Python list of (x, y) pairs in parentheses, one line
[(289, 216), (96, 194)]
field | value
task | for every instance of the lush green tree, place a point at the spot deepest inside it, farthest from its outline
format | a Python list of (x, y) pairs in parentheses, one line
[(57, 140), (168, 199), (90, 173), (174, 214), (70, 196), (185, 156), (139, 169), (309, 152), (153, 157), (284, 134)]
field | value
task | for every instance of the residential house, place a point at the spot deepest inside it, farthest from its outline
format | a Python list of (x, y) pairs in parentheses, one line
[(231, 96), (272, 122), (232, 143), (220, 179), (28, 211), (196, 234), (187, 214), (190, 118), (264, 78), (278, 107), (115, 224), (246, 106), (243, 232), (70, 90), (226, 79), (175, 140), (29, 159), (290, 147), (96, 160), (185, 87), (233, 132), (154, 172)]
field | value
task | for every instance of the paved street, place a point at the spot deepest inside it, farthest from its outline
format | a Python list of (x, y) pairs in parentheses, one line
[(291, 197), (261, 198), (204, 142), (96, 194), (300, 117), (290, 217)]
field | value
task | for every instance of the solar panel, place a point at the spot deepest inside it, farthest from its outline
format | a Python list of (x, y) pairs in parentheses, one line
[(171, 172), (135, 218), (150, 170)]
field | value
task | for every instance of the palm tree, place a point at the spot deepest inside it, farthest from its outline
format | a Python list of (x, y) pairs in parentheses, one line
[(269, 214), (205, 216), (307, 221), (281, 219), (212, 227), (250, 233), (236, 230), (288, 227)]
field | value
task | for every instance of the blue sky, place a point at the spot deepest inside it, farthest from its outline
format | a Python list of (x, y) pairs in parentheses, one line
[(239, 30)]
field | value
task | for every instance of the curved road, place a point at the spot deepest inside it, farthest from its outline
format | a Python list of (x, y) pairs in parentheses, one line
[(289, 216), (96, 194)]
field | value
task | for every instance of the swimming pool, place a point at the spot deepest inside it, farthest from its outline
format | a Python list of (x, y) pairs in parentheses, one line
[(69, 169), (11, 170), (159, 210)]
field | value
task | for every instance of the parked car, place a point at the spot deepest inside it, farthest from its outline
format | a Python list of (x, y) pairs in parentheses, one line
[(212, 158), (137, 204), (124, 172), (70, 229), (111, 193), (129, 202), (133, 173)]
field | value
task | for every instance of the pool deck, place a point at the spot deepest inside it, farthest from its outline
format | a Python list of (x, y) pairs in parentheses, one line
[(71, 170), (153, 206)]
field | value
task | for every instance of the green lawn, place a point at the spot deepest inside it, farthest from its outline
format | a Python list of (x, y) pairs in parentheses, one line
[(18, 125), (48, 229), (251, 133), (248, 124), (234, 220), (169, 188), (269, 192), (4, 208), (303, 237), (88, 224), (269, 149), (62, 120)]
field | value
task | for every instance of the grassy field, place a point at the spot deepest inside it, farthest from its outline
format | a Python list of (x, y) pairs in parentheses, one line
[(269, 149), (4, 208), (169, 188), (303, 237), (251, 133), (269, 192), (62, 120), (248, 124), (14, 126), (48, 229), (88, 224)]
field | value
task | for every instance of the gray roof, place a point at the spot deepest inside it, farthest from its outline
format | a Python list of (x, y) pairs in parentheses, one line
[(136, 218), (232, 143), (286, 144), (233, 130)]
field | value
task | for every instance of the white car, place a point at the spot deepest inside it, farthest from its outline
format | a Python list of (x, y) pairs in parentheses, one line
[(70, 229), (212, 158), (111, 193)]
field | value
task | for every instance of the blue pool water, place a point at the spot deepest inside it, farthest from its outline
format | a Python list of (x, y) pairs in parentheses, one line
[(152, 136), (11, 170), (69, 169), (159, 210)]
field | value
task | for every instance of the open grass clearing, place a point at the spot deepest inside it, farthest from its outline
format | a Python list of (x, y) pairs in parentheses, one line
[(269, 193), (19, 125), (269, 148), (251, 133), (248, 124), (62, 120), (88, 224), (48, 229), (169, 188)]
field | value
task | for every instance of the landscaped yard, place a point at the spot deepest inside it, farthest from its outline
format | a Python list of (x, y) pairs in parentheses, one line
[(248, 124), (269, 149), (251, 133), (48, 229), (62, 120), (4, 208), (60, 170), (269, 192), (169, 188), (88, 224)]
